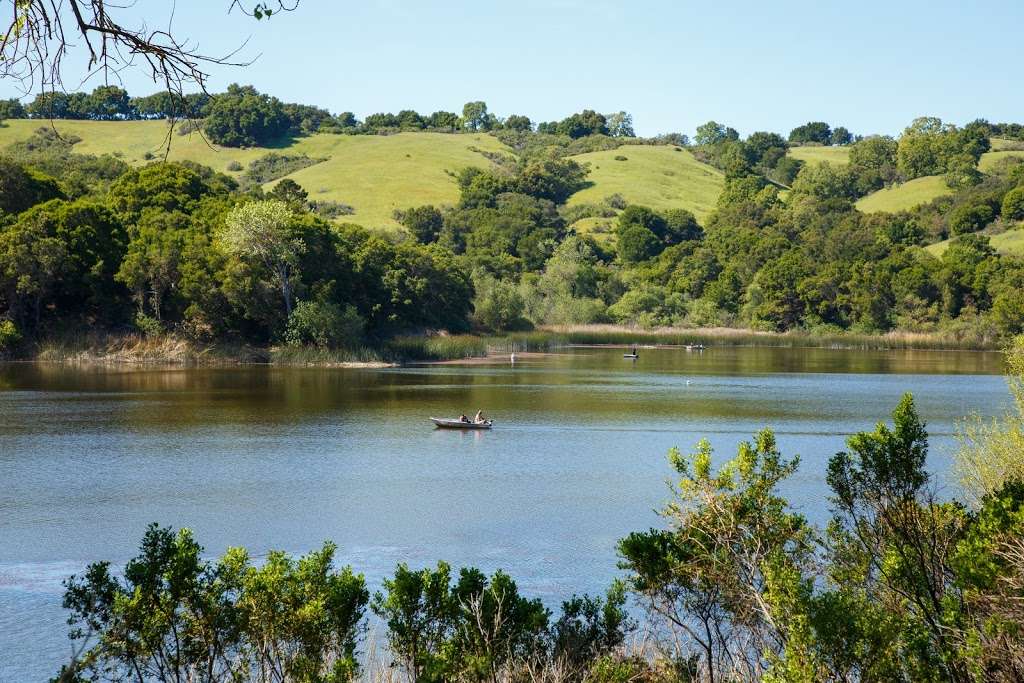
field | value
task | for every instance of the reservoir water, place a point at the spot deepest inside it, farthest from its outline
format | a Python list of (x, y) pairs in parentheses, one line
[(285, 458)]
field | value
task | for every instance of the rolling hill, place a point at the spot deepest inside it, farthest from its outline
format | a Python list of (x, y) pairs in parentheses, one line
[(905, 195), (990, 159), (1010, 242), (815, 154), (376, 174), (662, 177)]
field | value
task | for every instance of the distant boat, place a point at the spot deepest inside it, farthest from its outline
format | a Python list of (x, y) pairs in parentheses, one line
[(632, 356), (445, 423)]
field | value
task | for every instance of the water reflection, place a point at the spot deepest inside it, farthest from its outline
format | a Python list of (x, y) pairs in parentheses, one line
[(285, 458)]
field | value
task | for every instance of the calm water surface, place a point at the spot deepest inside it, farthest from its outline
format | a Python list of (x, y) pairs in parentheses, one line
[(286, 458)]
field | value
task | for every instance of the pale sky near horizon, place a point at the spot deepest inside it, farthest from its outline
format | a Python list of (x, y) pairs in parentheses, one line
[(871, 66)]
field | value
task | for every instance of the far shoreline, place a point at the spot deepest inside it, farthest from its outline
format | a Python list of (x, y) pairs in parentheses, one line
[(135, 350)]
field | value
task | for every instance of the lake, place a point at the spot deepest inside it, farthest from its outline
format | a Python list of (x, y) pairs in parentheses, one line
[(285, 458)]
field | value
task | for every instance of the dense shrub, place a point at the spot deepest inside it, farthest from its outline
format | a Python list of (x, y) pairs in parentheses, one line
[(9, 336), (325, 325), (243, 117), (970, 218), (272, 166), (1013, 204)]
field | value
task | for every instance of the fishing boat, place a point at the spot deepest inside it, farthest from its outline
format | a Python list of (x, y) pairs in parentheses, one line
[(445, 423), (632, 356)]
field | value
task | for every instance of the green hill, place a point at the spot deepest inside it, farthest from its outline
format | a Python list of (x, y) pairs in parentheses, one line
[(663, 177), (375, 174), (1010, 242), (990, 159), (905, 195), (815, 154)]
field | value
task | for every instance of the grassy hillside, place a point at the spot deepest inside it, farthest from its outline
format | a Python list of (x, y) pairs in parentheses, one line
[(658, 177), (990, 159), (816, 154), (905, 195), (378, 174), (1003, 144), (373, 174), (1009, 242)]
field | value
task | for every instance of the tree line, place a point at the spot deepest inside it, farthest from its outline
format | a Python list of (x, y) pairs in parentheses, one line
[(244, 117), (88, 241), (901, 585)]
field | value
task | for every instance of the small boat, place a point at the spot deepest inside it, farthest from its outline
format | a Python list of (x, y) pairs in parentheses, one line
[(445, 423), (633, 356)]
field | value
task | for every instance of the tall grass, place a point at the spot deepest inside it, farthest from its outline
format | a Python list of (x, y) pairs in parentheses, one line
[(131, 348), (310, 355), (724, 336), (446, 347)]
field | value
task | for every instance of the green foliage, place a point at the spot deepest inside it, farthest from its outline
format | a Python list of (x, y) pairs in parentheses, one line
[(150, 327), (272, 166), (930, 147), (873, 161), (574, 287), (9, 336), (259, 238), (991, 452), (22, 188), (498, 305), (175, 616), (289, 192), (970, 218), (243, 117), (424, 222), (643, 233), (475, 116), (705, 577), (12, 108), (325, 325), (817, 132), (648, 306), (1013, 205)]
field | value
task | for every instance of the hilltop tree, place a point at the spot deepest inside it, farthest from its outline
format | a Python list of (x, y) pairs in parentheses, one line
[(12, 109), (444, 120), (712, 133), (244, 117), (813, 131), (110, 103), (474, 115), (873, 159), (518, 122), (841, 136), (620, 125)]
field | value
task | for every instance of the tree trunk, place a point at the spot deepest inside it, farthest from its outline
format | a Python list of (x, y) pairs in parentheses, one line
[(286, 290)]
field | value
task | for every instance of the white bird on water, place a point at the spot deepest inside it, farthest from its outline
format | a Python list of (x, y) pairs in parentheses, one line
[(512, 358)]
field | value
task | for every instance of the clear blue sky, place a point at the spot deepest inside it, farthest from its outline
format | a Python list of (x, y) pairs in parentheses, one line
[(870, 65)]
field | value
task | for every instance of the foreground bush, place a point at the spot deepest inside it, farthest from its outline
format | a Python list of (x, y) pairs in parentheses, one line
[(176, 617), (738, 586)]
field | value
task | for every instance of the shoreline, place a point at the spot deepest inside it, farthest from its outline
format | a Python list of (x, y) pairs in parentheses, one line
[(131, 350)]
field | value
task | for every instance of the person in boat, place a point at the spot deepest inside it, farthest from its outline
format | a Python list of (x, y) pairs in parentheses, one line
[(479, 417), (463, 418), (634, 351)]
